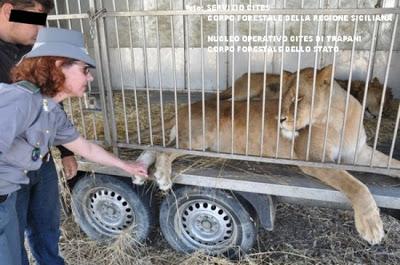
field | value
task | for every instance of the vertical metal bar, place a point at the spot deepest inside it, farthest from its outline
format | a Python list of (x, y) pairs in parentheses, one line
[(57, 13), (134, 76), (384, 90), (184, 46), (324, 33), (233, 88), (377, 5), (396, 127), (348, 92), (146, 72), (93, 115), (274, 54), (278, 127), (248, 92), (82, 117), (174, 75), (297, 85), (264, 92), (203, 105), (80, 99), (103, 76), (313, 88), (226, 60), (85, 100), (330, 95), (160, 77), (121, 75), (110, 101), (218, 92), (360, 122), (69, 100), (188, 81), (69, 20)]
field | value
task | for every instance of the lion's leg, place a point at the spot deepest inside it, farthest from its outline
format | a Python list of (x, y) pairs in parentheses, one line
[(366, 212), (164, 169), (380, 159), (147, 158)]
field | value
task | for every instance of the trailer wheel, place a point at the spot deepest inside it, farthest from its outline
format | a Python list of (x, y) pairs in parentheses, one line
[(210, 220), (105, 206)]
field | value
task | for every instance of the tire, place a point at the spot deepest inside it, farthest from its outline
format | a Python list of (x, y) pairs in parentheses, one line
[(105, 206), (209, 220)]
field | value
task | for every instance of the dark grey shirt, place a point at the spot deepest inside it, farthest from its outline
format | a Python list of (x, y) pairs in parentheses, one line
[(10, 54), (30, 123)]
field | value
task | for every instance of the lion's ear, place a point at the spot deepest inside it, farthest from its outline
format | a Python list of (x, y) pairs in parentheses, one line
[(325, 74)]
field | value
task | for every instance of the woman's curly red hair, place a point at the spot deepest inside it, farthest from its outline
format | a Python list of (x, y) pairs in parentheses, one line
[(43, 72)]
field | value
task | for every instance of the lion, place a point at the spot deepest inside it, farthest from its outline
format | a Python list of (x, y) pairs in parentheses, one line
[(272, 90), (374, 96), (272, 86), (366, 212)]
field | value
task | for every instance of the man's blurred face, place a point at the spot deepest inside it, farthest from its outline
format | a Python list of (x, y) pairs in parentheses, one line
[(25, 34)]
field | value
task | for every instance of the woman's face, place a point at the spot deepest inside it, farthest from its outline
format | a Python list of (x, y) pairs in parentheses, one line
[(77, 76)]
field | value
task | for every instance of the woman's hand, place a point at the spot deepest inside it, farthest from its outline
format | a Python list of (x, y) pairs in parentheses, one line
[(135, 168), (97, 154)]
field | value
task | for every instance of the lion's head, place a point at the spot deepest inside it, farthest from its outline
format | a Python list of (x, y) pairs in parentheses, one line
[(304, 100), (374, 96)]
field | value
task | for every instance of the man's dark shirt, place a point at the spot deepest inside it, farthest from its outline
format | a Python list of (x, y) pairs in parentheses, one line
[(10, 54)]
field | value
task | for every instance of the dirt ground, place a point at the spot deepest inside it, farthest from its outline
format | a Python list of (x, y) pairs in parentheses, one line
[(302, 235)]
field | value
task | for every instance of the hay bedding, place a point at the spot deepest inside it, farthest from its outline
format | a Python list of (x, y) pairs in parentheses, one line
[(302, 235), (93, 120), (387, 125)]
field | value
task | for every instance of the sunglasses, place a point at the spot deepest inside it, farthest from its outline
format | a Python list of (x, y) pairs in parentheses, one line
[(85, 67)]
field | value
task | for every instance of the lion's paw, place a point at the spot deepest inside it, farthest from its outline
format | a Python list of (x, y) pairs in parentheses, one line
[(369, 225), (138, 180), (165, 186), (163, 180)]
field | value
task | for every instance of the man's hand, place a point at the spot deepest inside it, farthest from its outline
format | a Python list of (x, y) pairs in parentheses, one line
[(70, 166)]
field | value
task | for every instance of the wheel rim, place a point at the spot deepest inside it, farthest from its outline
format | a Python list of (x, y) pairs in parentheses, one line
[(108, 211), (206, 224)]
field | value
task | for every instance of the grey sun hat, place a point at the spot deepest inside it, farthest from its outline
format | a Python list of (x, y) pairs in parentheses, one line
[(60, 42)]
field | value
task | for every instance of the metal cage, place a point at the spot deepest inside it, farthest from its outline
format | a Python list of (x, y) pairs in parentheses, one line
[(156, 55)]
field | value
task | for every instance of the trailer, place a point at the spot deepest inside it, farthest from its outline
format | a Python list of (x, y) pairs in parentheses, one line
[(154, 56)]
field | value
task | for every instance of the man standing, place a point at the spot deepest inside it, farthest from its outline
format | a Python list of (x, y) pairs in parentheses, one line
[(37, 204)]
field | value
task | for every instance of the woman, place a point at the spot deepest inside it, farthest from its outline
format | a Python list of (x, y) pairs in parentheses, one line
[(31, 121)]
